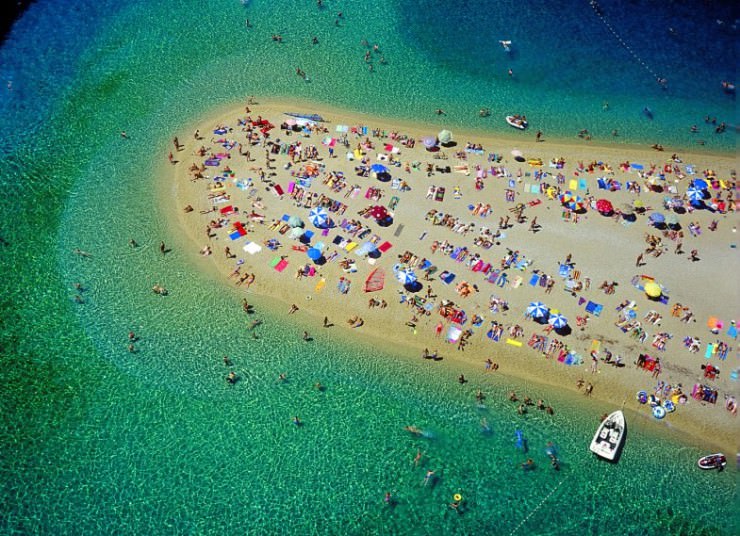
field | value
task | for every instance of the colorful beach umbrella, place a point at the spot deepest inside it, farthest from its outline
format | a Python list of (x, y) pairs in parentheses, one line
[(444, 136), (319, 217), (406, 276), (653, 290), (537, 310), (694, 193), (558, 321), (701, 184), (604, 206)]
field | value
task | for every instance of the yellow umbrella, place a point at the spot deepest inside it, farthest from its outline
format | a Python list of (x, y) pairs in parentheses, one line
[(638, 203), (653, 290)]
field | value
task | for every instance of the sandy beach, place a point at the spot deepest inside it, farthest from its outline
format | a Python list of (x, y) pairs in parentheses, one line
[(442, 214)]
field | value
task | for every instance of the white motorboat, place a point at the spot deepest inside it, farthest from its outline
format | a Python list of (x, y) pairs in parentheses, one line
[(517, 121), (506, 45), (713, 461), (609, 436)]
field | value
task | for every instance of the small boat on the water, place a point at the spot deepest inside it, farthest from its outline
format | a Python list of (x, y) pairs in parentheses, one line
[(517, 121), (728, 87), (506, 45), (712, 461), (609, 436), (309, 117)]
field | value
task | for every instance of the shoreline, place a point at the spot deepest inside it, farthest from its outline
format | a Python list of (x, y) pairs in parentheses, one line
[(384, 321)]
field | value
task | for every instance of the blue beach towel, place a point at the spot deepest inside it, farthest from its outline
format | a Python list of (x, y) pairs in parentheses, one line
[(534, 280)]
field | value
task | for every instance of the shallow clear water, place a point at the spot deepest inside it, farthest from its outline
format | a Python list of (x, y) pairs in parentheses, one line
[(97, 440)]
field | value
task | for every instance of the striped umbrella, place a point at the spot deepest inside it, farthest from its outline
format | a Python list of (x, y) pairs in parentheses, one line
[(537, 310), (406, 276), (694, 193), (558, 321), (319, 217)]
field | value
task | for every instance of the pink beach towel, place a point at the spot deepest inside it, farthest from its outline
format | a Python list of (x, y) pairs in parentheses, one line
[(280, 266)]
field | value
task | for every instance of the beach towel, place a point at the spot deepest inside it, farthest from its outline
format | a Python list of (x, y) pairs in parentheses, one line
[(281, 265), (447, 278), (582, 184), (595, 345), (493, 335), (534, 280), (573, 184), (517, 282), (710, 350), (398, 230), (594, 308), (564, 270), (513, 342), (385, 246), (252, 248), (236, 235), (320, 285), (439, 195)]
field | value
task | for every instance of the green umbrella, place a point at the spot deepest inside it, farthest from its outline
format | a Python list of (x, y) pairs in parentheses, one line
[(444, 136)]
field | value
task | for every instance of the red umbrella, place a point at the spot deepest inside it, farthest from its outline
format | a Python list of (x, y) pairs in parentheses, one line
[(604, 206), (378, 212)]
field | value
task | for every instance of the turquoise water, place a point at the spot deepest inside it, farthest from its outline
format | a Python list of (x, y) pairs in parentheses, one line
[(97, 440)]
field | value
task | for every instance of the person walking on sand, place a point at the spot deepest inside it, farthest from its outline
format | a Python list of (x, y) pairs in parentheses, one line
[(293, 309), (326, 321), (638, 261)]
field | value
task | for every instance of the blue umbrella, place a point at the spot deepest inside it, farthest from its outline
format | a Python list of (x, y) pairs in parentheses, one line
[(429, 142), (378, 168), (319, 217), (657, 217), (558, 321), (537, 310), (701, 184), (313, 254), (695, 194), (406, 276)]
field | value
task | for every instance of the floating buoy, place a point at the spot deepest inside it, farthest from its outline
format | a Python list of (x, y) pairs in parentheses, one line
[(457, 497), (659, 412), (642, 397)]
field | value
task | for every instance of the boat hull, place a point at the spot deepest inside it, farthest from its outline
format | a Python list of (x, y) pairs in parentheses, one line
[(712, 462), (521, 125)]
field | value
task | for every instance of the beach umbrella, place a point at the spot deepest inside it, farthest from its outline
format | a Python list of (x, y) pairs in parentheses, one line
[(378, 168), (291, 122), (429, 142), (444, 136), (657, 217), (558, 321), (672, 220), (701, 184), (406, 276), (296, 232), (313, 254), (295, 221), (537, 310), (627, 210), (319, 217), (638, 203), (653, 290), (635, 165), (516, 152), (714, 323), (604, 206), (694, 193)]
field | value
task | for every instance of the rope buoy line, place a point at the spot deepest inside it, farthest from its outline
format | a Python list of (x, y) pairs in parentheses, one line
[(534, 511), (597, 11)]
